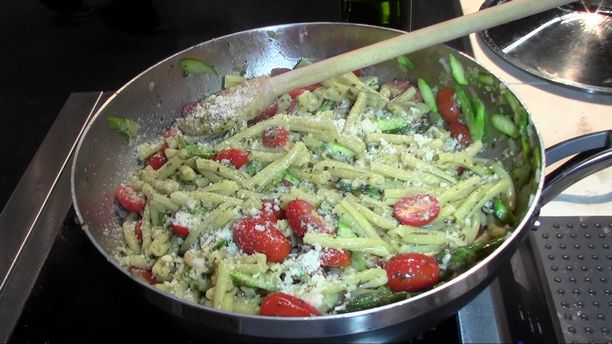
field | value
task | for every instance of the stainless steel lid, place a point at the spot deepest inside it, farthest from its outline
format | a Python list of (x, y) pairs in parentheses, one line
[(569, 45)]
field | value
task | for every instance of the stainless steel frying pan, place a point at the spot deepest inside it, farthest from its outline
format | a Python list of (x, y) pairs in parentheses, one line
[(155, 98)]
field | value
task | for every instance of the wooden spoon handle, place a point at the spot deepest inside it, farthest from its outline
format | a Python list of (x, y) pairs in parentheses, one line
[(409, 42)]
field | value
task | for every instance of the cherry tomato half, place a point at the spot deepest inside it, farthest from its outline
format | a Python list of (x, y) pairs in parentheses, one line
[(130, 199), (336, 258), (146, 275), (448, 108), (417, 209), (296, 93), (235, 156), (285, 305), (138, 230), (271, 210), (157, 160), (269, 112), (412, 272), (401, 85), (303, 217), (256, 234), (170, 133), (460, 132), (274, 137), (187, 108), (179, 230)]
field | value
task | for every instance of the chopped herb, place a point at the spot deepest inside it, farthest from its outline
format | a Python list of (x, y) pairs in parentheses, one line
[(125, 126), (273, 34), (371, 191), (291, 178), (485, 79), (345, 185), (404, 63), (391, 123), (326, 105), (478, 123), (219, 244), (337, 152), (253, 167), (428, 96), (502, 212), (504, 125), (195, 150), (195, 66), (457, 70)]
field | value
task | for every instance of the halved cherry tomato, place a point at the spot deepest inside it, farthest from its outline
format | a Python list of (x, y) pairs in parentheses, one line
[(285, 305), (129, 198), (187, 108), (312, 87), (358, 72), (448, 108), (296, 93), (256, 234), (460, 132), (157, 160), (417, 209), (412, 272), (138, 230), (271, 210), (235, 156), (402, 86), (170, 133), (338, 258), (274, 137), (303, 217), (146, 275), (269, 112), (179, 230)]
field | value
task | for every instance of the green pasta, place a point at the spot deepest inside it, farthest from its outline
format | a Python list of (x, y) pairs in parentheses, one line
[(321, 188)]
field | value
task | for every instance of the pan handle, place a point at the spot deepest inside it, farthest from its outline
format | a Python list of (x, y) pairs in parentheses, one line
[(592, 153)]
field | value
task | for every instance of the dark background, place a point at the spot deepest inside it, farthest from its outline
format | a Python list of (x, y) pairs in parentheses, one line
[(50, 48)]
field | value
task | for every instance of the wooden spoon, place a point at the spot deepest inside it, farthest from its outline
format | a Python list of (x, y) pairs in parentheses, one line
[(236, 105)]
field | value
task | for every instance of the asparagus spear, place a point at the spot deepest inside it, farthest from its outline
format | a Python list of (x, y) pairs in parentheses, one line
[(463, 258), (379, 297)]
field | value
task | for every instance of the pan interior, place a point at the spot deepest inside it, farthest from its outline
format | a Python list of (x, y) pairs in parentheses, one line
[(154, 98)]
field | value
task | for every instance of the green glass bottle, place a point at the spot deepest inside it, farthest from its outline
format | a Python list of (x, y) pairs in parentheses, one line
[(389, 13)]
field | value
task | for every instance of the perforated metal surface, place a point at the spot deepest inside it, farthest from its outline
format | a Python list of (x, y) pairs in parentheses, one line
[(576, 260)]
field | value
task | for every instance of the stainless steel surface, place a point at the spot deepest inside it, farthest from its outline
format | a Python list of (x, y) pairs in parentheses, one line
[(575, 259), (37, 208), (570, 45), (483, 320), (104, 160)]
